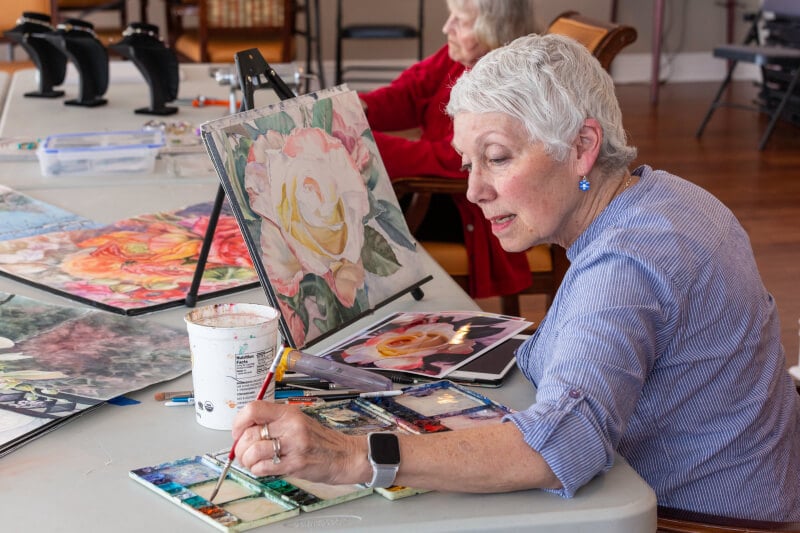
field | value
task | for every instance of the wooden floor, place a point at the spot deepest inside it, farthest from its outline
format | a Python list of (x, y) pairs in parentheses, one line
[(761, 188)]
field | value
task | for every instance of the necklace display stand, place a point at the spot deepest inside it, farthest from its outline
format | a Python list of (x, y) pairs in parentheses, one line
[(77, 40), (49, 60), (158, 64)]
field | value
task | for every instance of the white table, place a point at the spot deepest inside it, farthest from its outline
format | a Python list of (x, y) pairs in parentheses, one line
[(76, 478)]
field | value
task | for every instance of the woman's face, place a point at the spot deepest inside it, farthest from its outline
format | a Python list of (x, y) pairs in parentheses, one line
[(463, 45), (528, 197)]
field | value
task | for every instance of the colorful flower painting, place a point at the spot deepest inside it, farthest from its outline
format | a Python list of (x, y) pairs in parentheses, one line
[(134, 265), (429, 344), (57, 361), (310, 191)]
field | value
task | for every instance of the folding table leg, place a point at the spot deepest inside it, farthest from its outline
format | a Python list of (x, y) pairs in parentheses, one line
[(779, 111), (715, 102)]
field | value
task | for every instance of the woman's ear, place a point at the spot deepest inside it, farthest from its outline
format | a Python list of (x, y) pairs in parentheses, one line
[(587, 145)]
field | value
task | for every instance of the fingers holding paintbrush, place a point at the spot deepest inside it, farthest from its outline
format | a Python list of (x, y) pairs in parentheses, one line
[(232, 455)]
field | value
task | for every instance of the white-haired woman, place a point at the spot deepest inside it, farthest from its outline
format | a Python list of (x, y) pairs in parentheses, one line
[(662, 343)]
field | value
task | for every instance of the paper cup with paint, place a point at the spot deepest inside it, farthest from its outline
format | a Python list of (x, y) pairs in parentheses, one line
[(232, 347)]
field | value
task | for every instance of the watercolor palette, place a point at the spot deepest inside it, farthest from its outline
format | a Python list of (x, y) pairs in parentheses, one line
[(308, 495), (352, 417), (440, 406), (242, 503)]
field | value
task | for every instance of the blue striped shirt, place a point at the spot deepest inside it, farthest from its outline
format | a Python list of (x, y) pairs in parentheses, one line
[(663, 344)]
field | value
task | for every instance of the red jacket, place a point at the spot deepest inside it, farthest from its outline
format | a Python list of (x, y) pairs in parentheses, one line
[(417, 99)]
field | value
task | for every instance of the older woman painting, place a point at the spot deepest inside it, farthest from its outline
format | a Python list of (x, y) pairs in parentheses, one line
[(417, 99), (662, 343)]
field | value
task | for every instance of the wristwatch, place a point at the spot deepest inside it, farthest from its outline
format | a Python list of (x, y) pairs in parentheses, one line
[(384, 456)]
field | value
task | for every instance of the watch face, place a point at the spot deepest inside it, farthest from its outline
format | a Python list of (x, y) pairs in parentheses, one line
[(384, 448)]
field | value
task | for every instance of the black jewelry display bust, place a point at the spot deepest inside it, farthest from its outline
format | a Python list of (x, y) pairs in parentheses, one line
[(158, 64), (77, 40), (49, 60)]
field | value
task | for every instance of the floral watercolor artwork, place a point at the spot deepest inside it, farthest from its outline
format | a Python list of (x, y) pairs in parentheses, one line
[(22, 216), (317, 209), (429, 344), (57, 362), (134, 265)]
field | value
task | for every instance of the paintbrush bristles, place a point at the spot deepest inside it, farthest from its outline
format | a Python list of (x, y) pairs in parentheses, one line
[(222, 477)]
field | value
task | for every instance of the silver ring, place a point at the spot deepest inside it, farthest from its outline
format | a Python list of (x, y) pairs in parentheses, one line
[(276, 448), (264, 433)]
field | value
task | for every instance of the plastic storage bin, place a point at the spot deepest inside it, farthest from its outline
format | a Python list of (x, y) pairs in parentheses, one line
[(100, 153)]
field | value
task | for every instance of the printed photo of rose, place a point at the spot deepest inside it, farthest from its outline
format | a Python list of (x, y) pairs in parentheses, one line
[(407, 348)]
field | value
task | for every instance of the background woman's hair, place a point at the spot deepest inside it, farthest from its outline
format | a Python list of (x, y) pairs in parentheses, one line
[(551, 83), (499, 21)]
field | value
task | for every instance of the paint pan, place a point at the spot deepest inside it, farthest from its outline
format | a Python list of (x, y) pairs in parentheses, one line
[(242, 503), (308, 495)]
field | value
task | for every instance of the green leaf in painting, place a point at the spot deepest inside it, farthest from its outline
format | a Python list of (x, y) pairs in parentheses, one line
[(377, 255), (280, 122), (323, 115), (391, 219)]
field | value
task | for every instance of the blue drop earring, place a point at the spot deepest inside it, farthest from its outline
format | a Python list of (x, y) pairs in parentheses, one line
[(584, 184)]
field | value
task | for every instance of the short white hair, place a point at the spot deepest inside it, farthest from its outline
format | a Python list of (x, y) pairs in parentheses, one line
[(499, 22), (550, 83)]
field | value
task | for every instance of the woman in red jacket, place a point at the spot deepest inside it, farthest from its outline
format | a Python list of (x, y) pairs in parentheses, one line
[(417, 99)]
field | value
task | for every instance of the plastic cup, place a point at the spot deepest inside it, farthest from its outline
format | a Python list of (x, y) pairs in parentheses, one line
[(232, 347)]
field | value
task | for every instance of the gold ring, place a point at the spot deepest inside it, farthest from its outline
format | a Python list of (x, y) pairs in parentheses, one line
[(276, 448), (264, 433)]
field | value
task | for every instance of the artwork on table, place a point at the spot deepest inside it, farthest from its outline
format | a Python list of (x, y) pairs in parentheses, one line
[(22, 216), (56, 362), (429, 344), (134, 265), (317, 209)]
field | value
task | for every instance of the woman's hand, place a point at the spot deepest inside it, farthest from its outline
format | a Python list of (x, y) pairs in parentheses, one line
[(305, 448)]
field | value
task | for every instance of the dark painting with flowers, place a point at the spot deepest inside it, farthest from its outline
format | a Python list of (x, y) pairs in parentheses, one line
[(317, 209), (134, 265)]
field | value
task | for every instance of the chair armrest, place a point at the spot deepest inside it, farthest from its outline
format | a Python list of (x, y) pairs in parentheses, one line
[(672, 520), (428, 185)]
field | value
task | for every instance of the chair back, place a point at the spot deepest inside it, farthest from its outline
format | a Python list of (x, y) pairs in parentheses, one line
[(225, 27), (603, 39)]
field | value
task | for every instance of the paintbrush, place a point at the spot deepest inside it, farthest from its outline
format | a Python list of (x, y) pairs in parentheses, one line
[(232, 454)]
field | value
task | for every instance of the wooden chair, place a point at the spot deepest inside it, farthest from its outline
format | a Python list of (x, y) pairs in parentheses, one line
[(679, 521), (225, 27), (87, 9), (548, 263), (11, 12)]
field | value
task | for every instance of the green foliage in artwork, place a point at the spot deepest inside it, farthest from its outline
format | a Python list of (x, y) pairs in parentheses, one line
[(391, 220), (322, 116), (227, 273), (377, 255), (314, 290), (281, 122)]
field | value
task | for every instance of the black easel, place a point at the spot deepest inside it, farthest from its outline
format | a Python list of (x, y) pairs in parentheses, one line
[(49, 60), (158, 64), (250, 66)]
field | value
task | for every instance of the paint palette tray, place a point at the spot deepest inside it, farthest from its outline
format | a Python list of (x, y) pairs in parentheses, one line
[(242, 502), (439, 406), (308, 495)]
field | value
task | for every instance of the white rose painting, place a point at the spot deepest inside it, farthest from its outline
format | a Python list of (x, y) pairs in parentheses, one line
[(322, 223)]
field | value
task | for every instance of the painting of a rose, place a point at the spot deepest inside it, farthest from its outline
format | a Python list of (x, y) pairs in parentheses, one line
[(318, 212)]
